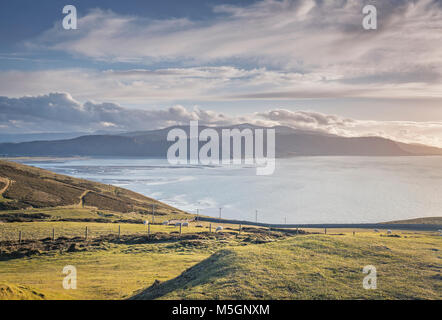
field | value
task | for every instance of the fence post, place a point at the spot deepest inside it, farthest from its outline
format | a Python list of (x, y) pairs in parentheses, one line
[(119, 231), (19, 236), (240, 227), (53, 234), (148, 229), (325, 230), (180, 227), (86, 233), (210, 228)]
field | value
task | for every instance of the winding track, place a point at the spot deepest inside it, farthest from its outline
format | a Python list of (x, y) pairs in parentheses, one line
[(8, 183)]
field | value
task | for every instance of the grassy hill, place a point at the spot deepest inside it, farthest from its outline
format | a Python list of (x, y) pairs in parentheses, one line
[(427, 220), (314, 267), (26, 187)]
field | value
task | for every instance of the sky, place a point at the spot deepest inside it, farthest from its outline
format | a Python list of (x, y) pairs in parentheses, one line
[(138, 65)]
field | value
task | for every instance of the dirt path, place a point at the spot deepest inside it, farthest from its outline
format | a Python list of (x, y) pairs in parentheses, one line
[(8, 183), (81, 203)]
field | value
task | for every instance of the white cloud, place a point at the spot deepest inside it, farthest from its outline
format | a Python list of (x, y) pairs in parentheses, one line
[(292, 50), (429, 133), (223, 83), (307, 35)]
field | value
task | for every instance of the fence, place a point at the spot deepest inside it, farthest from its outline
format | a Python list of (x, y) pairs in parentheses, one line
[(42, 230)]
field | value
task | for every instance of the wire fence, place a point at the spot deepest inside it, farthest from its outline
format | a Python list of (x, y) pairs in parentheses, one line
[(54, 230)]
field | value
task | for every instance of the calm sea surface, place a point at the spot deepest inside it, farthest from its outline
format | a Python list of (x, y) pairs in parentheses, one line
[(303, 190)]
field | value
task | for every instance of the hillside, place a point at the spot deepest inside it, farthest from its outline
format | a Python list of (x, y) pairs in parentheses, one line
[(24, 186), (313, 267), (427, 220), (289, 142)]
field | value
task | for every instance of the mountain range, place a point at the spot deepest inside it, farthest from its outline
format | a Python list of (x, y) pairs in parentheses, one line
[(153, 143)]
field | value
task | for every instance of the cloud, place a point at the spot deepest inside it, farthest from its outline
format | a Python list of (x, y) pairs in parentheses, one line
[(305, 35), (222, 83), (429, 133), (60, 112), (268, 50)]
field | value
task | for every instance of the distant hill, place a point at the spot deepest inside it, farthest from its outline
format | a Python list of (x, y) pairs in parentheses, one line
[(24, 186), (289, 142), (47, 136), (24, 137), (427, 220)]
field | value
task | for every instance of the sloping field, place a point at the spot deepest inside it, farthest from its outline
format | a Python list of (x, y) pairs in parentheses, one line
[(314, 267)]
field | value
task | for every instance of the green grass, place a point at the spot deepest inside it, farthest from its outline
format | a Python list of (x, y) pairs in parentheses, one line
[(312, 266), (73, 212), (14, 292), (112, 274), (41, 230), (117, 272), (315, 267)]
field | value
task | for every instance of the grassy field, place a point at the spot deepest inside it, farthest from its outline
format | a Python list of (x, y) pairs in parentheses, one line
[(111, 274), (113, 271), (315, 267), (40, 230), (312, 266)]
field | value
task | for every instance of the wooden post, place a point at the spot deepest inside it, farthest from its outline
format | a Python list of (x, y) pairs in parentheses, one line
[(240, 227), (85, 234), (148, 229), (297, 230), (180, 227), (19, 236), (119, 231), (53, 234), (210, 227), (353, 233), (325, 230)]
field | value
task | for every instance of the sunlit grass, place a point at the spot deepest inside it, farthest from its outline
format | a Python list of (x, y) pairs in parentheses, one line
[(316, 267), (41, 230)]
